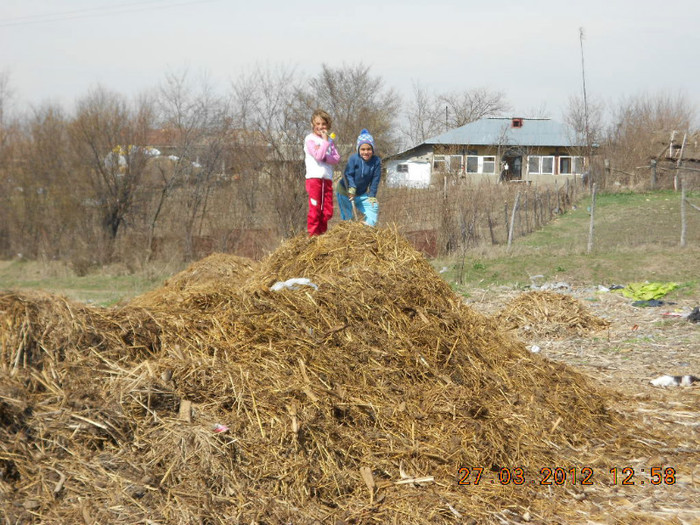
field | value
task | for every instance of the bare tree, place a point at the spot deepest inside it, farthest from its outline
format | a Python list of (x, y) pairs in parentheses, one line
[(106, 136), (423, 116), (197, 121), (467, 106), (431, 114), (49, 202), (356, 99), (269, 158), (575, 118), (8, 130)]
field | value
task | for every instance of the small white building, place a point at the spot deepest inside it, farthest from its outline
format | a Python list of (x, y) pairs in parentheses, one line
[(408, 173)]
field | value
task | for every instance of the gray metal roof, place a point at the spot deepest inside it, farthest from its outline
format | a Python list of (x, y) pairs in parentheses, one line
[(492, 131)]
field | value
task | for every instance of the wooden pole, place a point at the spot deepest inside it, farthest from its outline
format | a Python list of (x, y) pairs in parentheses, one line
[(591, 227), (679, 163), (512, 219), (683, 221)]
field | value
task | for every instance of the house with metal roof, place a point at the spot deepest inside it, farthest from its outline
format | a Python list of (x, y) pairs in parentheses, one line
[(533, 150)]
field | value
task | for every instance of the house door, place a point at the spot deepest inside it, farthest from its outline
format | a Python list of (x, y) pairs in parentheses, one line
[(512, 168)]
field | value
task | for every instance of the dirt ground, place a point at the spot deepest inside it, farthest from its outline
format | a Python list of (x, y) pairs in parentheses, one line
[(641, 344)]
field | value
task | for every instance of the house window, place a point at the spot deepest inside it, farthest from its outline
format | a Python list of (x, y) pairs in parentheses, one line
[(455, 163), (481, 164), (570, 165), (540, 165), (402, 168), (439, 163)]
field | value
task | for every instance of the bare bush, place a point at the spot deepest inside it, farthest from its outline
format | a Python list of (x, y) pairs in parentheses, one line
[(633, 138)]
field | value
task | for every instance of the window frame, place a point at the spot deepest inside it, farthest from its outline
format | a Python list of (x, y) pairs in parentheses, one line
[(439, 159), (577, 164), (481, 162), (540, 164)]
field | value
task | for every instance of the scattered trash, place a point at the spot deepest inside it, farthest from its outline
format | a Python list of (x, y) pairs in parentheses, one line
[(551, 286), (602, 288), (672, 314), (617, 286), (694, 316), (535, 349), (219, 428), (648, 291), (444, 269), (417, 481), (650, 303), (293, 284), (556, 286), (667, 380)]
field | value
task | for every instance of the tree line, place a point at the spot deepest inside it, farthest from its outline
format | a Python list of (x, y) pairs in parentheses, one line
[(85, 186)]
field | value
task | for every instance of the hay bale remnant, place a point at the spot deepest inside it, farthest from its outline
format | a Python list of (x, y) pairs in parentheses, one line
[(547, 313)]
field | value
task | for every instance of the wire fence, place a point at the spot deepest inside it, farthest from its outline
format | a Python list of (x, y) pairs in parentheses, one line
[(251, 217)]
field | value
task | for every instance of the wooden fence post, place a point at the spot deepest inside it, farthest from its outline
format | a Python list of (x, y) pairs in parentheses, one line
[(512, 219), (683, 221), (590, 228)]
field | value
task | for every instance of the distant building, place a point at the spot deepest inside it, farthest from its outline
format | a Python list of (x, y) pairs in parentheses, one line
[(496, 149), (681, 147)]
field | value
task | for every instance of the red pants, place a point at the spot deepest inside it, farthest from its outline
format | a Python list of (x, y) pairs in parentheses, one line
[(320, 205)]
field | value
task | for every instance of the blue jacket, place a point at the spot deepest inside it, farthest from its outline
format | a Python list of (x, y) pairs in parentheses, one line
[(364, 176)]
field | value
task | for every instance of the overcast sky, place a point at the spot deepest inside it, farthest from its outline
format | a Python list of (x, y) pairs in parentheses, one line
[(529, 50)]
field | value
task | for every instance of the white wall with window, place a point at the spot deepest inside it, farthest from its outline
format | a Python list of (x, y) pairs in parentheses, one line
[(408, 174)]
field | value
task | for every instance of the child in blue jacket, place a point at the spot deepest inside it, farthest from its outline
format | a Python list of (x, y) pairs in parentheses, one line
[(362, 174)]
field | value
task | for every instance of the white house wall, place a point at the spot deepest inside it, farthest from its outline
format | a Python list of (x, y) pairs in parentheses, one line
[(421, 167), (413, 174)]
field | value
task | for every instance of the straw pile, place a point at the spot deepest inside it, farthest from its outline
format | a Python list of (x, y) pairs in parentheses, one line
[(356, 402), (547, 313), (213, 270)]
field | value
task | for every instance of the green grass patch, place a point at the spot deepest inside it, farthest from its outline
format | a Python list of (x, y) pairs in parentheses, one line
[(636, 239), (105, 286)]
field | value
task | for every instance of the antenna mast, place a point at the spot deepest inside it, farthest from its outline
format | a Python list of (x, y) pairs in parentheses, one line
[(585, 111)]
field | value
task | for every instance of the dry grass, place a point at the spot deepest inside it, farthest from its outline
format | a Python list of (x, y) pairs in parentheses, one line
[(357, 402)]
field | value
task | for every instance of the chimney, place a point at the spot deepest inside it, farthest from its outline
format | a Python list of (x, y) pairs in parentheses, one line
[(516, 123)]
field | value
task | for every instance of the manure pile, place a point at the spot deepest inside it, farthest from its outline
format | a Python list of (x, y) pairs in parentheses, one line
[(221, 401), (547, 313)]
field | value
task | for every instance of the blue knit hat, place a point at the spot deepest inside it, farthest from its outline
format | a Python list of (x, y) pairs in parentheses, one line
[(365, 138)]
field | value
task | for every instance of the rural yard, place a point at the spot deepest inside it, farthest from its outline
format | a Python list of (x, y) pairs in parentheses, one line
[(365, 292), (639, 345), (233, 395)]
